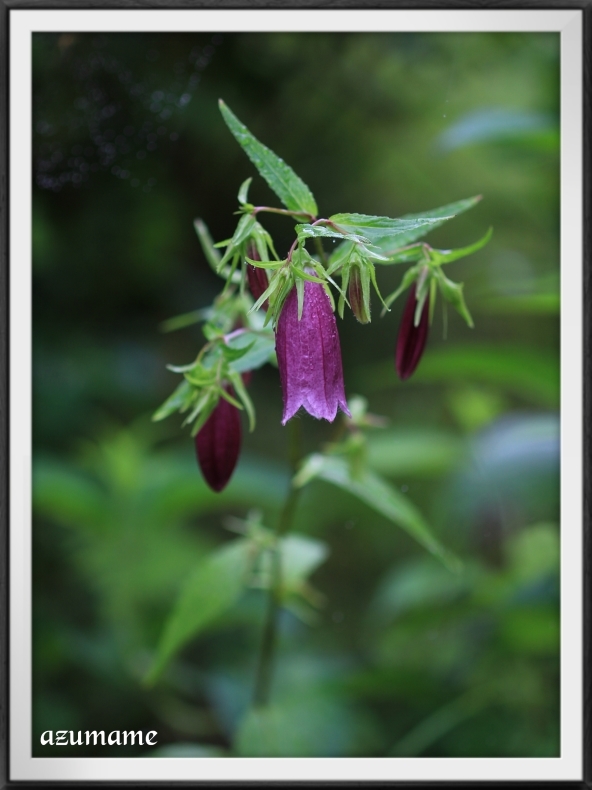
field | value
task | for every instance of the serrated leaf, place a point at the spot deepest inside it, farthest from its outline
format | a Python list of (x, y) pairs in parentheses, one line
[(214, 587), (438, 216), (380, 230), (380, 496), (316, 231), (180, 399), (290, 189)]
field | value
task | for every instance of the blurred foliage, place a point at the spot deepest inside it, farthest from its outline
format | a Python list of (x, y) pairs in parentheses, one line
[(383, 650)]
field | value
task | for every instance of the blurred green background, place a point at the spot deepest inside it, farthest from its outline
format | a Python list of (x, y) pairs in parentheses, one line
[(406, 658)]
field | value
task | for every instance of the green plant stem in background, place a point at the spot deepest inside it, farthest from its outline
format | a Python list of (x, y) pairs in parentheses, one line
[(264, 672)]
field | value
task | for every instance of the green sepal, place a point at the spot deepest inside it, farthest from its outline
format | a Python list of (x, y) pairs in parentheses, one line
[(453, 293), (408, 278), (244, 191), (242, 233), (439, 257), (180, 400), (206, 403), (241, 391), (300, 296)]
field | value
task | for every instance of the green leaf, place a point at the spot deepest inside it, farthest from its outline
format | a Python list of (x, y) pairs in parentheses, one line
[(408, 278), (380, 230), (417, 452), (214, 587), (242, 233), (185, 319), (300, 557), (453, 293), (261, 349), (527, 372), (316, 231), (241, 391), (69, 497), (244, 191), (207, 244), (380, 496), (180, 399), (446, 256), (211, 253), (438, 216), (290, 189)]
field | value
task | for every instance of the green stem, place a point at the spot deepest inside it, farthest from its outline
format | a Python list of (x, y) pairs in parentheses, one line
[(285, 212), (321, 250), (265, 662)]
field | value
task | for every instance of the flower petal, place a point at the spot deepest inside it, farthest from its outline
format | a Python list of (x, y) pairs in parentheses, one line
[(309, 356)]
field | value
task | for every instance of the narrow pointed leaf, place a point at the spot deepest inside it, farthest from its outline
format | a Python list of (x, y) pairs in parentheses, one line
[(214, 587), (382, 497), (317, 231), (438, 217), (261, 349), (180, 398), (244, 191), (446, 256), (242, 233), (383, 230), (241, 391), (408, 278), (290, 189), (453, 293)]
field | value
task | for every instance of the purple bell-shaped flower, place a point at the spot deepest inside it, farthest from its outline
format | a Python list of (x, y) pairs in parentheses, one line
[(218, 444), (412, 339), (256, 277), (309, 356)]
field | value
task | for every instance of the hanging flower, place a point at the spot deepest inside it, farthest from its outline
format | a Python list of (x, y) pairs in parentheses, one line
[(412, 339), (309, 356), (256, 277), (218, 444)]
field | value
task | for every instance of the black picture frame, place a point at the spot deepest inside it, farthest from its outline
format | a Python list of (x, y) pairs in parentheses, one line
[(7, 6)]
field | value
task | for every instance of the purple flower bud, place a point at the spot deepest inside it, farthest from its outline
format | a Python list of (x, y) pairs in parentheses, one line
[(356, 296), (256, 277), (412, 339), (218, 444), (309, 356)]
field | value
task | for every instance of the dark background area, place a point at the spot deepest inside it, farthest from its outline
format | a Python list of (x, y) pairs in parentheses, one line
[(406, 658)]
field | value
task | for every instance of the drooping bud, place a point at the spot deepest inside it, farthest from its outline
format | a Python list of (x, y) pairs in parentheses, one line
[(218, 444), (309, 356), (359, 301), (412, 339), (256, 277)]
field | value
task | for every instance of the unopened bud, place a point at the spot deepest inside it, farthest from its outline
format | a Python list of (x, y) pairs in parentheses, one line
[(218, 444), (360, 306), (412, 339), (256, 277)]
